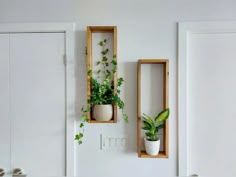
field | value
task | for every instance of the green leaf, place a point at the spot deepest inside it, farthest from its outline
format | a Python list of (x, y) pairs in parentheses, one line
[(125, 117), (104, 59), (81, 125), (114, 62), (79, 136), (88, 109), (100, 43), (160, 127), (90, 72), (145, 128), (82, 109), (147, 118), (84, 117), (120, 81), (149, 134), (163, 115), (104, 52), (148, 122), (98, 62), (114, 56), (114, 70)]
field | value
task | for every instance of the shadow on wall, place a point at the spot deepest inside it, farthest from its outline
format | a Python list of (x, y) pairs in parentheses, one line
[(80, 71), (130, 99)]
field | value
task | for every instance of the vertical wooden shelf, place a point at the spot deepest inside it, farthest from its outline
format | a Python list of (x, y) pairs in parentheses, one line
[(90, 31), (165, 103)]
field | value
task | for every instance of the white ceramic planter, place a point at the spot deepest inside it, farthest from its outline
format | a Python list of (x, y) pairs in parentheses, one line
[(102, 112), (152, 147)]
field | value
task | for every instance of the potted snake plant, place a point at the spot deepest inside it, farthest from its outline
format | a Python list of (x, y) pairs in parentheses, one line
[(151, 126)]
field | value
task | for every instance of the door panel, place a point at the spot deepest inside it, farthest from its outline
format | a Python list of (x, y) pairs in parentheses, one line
[(211, 104), (4, 103), (38, 103)]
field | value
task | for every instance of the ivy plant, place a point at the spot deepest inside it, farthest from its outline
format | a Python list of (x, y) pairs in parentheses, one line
[(102, 88)]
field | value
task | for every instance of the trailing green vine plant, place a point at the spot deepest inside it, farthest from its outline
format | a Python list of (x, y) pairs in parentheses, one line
[(102, 88)]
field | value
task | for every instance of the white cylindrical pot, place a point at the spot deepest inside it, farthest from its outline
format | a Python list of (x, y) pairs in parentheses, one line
[(102, 112), (152, 147)]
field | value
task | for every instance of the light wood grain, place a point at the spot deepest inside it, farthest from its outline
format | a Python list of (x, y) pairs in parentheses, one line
[(115, 74), (102, 29), (153, 61), (161, 154), (89, 65), (166, 105), (139, 108), (98, 121)]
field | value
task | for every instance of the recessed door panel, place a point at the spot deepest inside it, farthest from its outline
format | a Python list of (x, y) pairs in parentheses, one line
[(38, 103), (211, 104), (4, 103)]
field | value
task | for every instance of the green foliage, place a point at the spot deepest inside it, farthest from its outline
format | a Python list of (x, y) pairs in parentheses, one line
[(151, 126), (102, 87)]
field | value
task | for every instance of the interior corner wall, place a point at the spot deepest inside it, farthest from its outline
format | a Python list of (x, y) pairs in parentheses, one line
[(146, 29)]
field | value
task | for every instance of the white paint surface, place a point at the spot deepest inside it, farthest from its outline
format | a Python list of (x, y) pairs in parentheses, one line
[(96, 52), (152, 94), (146, 29), (211, 104), (4, 102), (34, 93), (38, 101), (206, 98)]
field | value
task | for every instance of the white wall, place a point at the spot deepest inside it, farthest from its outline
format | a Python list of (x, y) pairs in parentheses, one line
[(146, 29)]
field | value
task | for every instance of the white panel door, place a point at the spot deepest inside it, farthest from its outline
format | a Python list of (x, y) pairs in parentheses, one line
[(4, 103), (37, 103), (212, 104), (33, 103), (207, 99)]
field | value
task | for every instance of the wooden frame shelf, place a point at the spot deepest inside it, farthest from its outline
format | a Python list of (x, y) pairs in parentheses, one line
[(165, 103), (90, 31), (161, 154)]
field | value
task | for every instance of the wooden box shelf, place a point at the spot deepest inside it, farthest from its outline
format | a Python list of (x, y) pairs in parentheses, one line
[(112, 30), (164, 63), (161, 154)]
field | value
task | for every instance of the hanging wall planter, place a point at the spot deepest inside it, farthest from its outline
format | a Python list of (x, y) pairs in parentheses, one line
[(103, 85), (161, 103)]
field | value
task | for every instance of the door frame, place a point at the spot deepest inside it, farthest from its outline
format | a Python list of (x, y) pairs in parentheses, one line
[(184, 30), (69, 31)]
